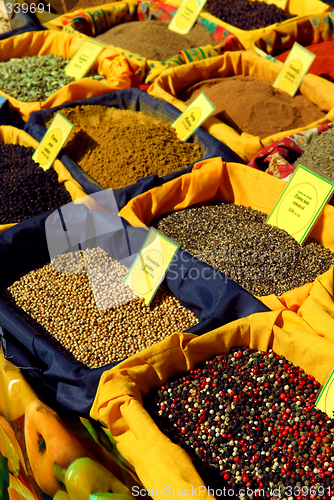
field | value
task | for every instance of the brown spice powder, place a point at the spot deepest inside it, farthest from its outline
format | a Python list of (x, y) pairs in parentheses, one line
[(118, 147), (254, 106), (153, 39)]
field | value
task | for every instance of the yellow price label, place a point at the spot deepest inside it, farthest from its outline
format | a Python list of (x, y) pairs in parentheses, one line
[(301, 203), (52, 142), (193, 117), (294, 69), (83, 59), (151, 265), (186, 15)]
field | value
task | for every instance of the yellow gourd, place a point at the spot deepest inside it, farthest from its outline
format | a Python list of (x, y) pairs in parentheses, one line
[(50, 445), (85, 476)]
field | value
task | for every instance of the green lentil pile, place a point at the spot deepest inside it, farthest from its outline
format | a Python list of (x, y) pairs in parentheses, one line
[(26, 189), (80, 300), (235, 239), (35, 78), (319, 153)]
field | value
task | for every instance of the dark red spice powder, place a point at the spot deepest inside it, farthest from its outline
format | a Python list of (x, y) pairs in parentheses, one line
[(323, 64)]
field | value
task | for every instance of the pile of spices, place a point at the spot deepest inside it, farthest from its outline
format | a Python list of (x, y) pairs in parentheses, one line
[(247, 14), (26, 189), (319, 153), (35, 78), (254, 106), (80, 300), (235, 239), (153, 39), (118, 147), (248, 421)]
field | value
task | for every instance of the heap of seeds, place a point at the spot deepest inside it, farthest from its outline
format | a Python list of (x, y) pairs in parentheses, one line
[(247, 14), (247, 419), (26, 189), (319, 153), (35, 78), (80, 300), (235, 239)]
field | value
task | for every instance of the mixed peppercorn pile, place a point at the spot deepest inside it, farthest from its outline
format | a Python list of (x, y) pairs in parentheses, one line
[(248, 420)]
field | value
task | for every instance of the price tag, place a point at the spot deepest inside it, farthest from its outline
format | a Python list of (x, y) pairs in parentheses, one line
[(52, 142), (193, 117), (279, 3), (264, 54), (294, 69), (301, 203), (186, 15), (84, 59), (151, 265), (325, 400)]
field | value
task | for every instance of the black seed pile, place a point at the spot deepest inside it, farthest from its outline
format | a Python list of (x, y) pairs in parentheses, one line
[(235, 239), (26, 189), (247, 14), (319, 153), (247, 419)]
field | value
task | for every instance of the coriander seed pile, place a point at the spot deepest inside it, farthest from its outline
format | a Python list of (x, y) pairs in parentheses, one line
[(235, 239), (247, 419), (101, 327)]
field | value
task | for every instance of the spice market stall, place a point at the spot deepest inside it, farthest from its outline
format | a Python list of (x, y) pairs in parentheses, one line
[(312, 32), (238, 433), (64, 344), (255, 19), (238, 122), (229, 203), (213, 384), (139, 31), (37, 61), (144, 151), (313, 147), (26, 189), (44, 452)]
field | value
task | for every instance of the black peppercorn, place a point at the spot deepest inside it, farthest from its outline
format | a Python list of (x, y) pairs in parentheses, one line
[(245, 14), (26, 189)]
